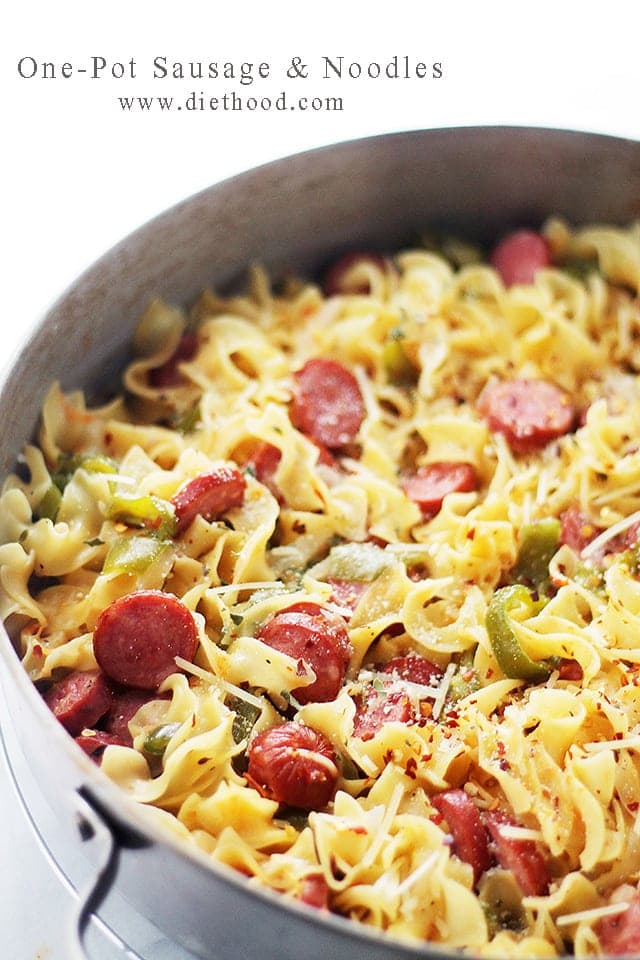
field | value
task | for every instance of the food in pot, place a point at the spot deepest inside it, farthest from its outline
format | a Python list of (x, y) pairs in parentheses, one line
[(345, 586)]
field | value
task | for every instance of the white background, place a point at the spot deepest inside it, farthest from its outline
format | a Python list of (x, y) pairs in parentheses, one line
[(79, 174)]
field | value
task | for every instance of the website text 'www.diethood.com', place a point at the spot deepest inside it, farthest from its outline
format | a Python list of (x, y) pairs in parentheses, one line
[(231, 101)]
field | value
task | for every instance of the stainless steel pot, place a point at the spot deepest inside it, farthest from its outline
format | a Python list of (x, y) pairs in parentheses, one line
[(296, 213)]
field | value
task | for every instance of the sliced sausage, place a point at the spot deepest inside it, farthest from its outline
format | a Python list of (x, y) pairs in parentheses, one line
[(315, 892), (374, 708), (619, 935), (519, 256), (138, 637), (295, 765), (168, 374), (570, 670), (347, 593), (306, 631), (470, 841), (94, 742), (79, 699), (327, 403), (576, 530), (264, 462), (430, 484), (522, 857), (208, 495), (344, 277), (415, 668), (125, 704), (529, 413)]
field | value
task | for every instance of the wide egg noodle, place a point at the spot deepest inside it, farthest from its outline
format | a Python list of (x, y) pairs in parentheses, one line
[(562, 757)]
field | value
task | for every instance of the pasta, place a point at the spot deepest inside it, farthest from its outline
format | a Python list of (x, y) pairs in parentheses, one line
[(344, 588)]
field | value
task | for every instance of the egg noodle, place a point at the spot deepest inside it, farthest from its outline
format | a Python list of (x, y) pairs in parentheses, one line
[(558, 754)]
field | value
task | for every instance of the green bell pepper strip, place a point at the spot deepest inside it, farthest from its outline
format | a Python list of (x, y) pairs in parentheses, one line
[(133, 554), (151, 513), (513, 661), (539, 542), (397, 365), (157, 741), (91, 462), (245, 718), (49, 504)]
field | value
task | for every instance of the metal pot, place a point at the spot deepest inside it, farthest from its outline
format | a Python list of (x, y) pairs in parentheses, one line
[(296, 213)]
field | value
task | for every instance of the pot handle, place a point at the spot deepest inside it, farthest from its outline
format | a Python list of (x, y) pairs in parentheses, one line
[(94, 830)]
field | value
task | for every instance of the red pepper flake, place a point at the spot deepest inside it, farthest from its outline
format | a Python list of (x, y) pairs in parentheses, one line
[(388, 756), (618, 736), (37, 650), (500, 747), (361, 831), (633, 805), (504, 764), (426, 757), (411, 768), (471, 533)]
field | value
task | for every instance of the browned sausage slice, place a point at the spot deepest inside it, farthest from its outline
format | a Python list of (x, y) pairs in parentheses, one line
[(327, 404), (347, 593), (208, 495), (469, 835), (94, 742), (344, 277), (125, 704), (306, 631), (620, 934), (79, 699), (374, 708), (295, 765), (430, 484), (519, 256), (315, 892), (522, 857), (138, 637), (415, 668), (168, 375), (530, 413), (264, 462), (576, 530)]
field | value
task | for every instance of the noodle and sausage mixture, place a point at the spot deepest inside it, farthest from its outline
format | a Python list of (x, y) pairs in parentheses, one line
[(345, 587)]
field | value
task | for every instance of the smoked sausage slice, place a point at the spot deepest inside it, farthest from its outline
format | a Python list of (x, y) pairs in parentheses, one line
[(470, 841), (519, 256), (619, 935), (529, 413), (125, 704), (138, 637), (522, 857), (576, 530), (168, 374), (430, 484), (79, 699), (295, 765), (414, 668), (306, 631), (343, 276), (374, 708), (327, 404), (208, 495), (94, 742)]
